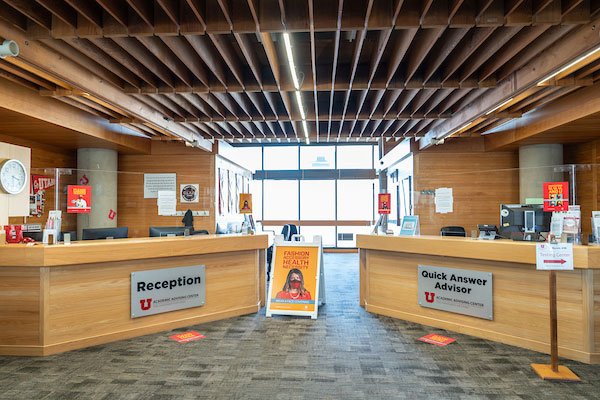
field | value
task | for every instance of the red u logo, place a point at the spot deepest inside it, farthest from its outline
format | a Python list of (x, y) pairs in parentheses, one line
[(429, 297), (146, 304)]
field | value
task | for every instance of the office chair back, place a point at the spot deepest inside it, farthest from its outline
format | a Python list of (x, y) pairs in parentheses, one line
[(453, 231)]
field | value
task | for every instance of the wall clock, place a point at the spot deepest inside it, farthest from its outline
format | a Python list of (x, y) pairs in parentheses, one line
[(13, 176)]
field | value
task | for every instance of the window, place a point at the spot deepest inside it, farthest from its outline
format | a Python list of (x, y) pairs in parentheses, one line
[(256, 190), (281, 200), (317, 157), (249, 157), (317, 200), (283, 157), (354, 157), (355, 200)]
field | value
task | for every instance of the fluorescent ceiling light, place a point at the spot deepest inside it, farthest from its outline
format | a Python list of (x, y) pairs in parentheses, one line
[(305, 127), (500, 106), (288, 49), (580, 59), (299, 100), (307, 141)]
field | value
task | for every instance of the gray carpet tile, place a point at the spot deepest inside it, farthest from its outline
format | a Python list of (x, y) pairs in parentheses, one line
[(346, 353)]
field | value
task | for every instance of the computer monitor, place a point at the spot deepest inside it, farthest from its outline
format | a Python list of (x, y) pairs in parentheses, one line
[(523, 219), (104, 233), (161, 231)]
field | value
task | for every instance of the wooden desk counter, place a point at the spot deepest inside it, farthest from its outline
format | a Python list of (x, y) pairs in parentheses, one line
[(58, 298), (388, 286)]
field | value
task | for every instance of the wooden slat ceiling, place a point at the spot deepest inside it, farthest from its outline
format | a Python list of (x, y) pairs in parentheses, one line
[(367, 69)]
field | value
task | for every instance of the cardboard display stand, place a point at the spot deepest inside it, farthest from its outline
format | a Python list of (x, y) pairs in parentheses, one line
[(297, 285)]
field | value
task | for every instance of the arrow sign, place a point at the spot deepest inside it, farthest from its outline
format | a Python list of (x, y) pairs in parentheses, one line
[(555, 261), (557, 256)]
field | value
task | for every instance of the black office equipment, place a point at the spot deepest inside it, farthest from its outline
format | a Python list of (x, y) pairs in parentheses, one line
[(105, 233), (161, 231), (487, 232), (453, 231), (524, 221)]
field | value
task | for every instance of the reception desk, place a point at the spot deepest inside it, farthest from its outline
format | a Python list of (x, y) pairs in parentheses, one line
[(389, 286), (58, 298)]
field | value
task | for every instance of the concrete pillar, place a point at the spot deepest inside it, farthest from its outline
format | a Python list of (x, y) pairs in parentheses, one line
[(536, 167), (99, 168)]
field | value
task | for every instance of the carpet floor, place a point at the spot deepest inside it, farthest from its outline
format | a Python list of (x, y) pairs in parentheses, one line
[(346, 353)]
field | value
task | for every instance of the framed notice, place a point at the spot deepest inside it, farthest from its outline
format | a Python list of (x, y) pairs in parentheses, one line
[(153, 183), (297, 278), (189, 193)]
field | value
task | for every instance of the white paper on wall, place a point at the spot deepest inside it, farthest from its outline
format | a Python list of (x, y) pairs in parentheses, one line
[(167, 202), (444, 201)]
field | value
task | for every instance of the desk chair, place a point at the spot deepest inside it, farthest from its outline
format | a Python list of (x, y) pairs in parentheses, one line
[(453, 231)]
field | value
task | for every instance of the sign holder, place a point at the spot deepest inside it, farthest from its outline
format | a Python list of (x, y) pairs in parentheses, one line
[(553, 372), (298, 241)]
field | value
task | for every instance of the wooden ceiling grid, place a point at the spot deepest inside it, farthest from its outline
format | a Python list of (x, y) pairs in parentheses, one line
[(367, 69)]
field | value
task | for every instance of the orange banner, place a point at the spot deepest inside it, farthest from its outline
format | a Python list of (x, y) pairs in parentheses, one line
[(294, 278), (384, 203), (245, 203)]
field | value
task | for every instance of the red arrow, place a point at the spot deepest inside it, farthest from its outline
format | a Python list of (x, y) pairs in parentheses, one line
[(555, 261)]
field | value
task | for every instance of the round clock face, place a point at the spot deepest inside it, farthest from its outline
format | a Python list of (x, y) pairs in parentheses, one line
[(13, 176)]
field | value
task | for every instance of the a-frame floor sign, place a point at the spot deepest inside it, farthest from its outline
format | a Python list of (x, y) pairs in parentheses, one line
[(297, 285)]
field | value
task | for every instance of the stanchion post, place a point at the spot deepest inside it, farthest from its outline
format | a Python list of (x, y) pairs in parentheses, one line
[(554, 372)]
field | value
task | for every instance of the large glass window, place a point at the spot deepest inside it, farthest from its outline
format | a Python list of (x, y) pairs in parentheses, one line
[(355, 157), (317, 157), (317, 200), (355, 200), (256, 190), (281, 200), (283, 157), (249, 157)]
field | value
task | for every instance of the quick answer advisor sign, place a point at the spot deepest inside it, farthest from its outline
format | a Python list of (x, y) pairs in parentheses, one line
[(456, 290)]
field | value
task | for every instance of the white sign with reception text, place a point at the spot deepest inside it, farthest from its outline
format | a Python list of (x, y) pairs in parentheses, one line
[(459, 291), (169, 289), (557, 256)]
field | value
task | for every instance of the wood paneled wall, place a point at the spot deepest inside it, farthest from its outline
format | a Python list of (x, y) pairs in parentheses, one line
[(42, 157), (587, 180), (480, 181), (191, 165)]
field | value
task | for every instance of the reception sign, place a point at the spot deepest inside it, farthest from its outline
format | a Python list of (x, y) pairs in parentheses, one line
[(556, 196), (384, 203), (456, 290), (297, 283), (162, 290), (79, 199)]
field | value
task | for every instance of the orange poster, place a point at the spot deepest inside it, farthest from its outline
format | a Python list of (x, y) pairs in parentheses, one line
[(294, 283), (245, 203), (384, 203)]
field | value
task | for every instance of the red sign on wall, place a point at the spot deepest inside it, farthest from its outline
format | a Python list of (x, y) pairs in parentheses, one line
[(79, 199), (556, 196), (384, 203)]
